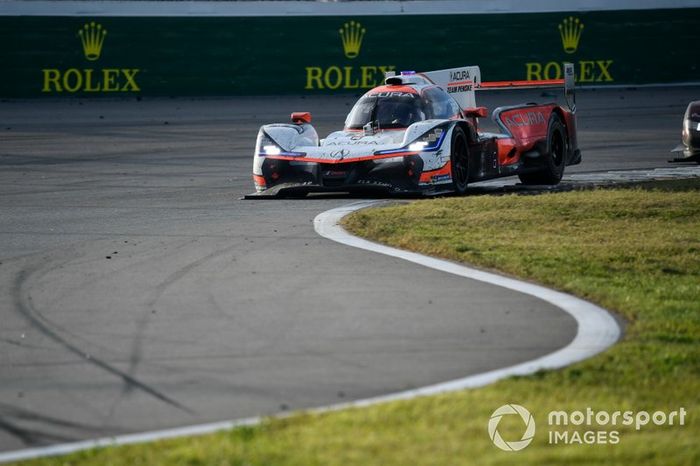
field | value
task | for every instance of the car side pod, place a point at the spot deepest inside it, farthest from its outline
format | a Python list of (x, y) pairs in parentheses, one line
[(690, 135)]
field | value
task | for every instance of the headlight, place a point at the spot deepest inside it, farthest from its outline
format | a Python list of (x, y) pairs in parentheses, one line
[(417, 146), (270, 147), (429, 141)]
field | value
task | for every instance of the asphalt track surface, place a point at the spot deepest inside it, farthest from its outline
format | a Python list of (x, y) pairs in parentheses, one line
[(138, 292)]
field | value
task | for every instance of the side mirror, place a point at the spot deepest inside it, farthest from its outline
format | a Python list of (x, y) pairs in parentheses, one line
[(476, 112), (299, 118)]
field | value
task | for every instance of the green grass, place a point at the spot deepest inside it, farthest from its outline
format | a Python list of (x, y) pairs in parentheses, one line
[(635, 251)]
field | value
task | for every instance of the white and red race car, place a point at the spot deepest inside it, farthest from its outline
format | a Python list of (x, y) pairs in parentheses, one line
[(419, 133)]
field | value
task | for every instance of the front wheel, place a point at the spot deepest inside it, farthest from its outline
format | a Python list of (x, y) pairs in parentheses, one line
[(459, 161), (557, 148)]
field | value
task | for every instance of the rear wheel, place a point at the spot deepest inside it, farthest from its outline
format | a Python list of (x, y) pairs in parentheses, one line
[(459, 161), (557, 148)]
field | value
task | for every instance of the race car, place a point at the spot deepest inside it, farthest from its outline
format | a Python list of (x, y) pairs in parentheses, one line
[(690, 135), (419, 133)]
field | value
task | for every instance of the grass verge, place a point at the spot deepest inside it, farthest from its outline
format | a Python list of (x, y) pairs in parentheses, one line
[(635, 251)]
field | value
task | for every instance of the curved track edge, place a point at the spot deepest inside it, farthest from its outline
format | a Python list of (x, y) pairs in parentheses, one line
[(597, 330)]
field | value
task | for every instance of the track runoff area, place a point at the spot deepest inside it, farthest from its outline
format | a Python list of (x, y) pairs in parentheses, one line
[(140, 294)]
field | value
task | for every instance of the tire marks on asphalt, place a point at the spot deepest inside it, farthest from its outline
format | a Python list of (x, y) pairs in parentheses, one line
[(25, 307)]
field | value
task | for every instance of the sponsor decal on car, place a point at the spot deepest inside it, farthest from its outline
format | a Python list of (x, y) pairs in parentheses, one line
[(351, 142), (463, 88), (339, 154), (460, 81), (334, 173), (439, 178), (461, 75), (524, 119), (395, 94)]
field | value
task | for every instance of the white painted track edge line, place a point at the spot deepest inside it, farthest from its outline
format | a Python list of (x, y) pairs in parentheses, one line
[(127, 439), (597, 330)]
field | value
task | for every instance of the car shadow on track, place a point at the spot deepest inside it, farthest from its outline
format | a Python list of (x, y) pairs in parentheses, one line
[(489, 189)]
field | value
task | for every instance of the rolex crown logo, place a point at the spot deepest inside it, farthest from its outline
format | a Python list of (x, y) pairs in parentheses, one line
[(570, 30), (92, 36), (352, 34)]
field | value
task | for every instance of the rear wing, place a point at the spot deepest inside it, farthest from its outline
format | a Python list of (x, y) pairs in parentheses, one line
[(458, 82), (568, 83), (461, 83)]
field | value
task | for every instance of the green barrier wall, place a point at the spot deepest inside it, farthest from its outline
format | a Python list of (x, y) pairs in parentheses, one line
[(197, 56)]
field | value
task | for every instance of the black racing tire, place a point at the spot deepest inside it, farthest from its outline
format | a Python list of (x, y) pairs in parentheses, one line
[(459, 161), (556, 153)]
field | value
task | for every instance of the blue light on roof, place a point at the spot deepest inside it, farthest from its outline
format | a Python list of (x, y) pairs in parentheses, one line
[(406, 73)]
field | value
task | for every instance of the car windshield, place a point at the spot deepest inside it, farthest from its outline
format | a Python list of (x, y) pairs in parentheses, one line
[(386, 110)]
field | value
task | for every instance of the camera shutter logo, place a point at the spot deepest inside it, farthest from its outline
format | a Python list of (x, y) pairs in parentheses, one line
[(507, 410)]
